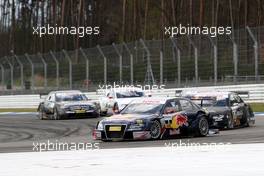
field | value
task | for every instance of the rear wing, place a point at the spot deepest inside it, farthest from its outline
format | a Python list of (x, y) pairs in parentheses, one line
[(243, 94)]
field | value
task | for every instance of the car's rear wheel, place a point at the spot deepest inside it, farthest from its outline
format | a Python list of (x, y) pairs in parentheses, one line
[(155, 130), (245, 119), (203, 127), (246, 123), (230, 121)]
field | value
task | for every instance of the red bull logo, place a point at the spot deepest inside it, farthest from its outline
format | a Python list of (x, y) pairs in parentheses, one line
[(178, 121)]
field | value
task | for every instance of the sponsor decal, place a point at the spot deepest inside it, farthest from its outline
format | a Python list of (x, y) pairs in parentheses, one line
[(142, 135), (178, 121)]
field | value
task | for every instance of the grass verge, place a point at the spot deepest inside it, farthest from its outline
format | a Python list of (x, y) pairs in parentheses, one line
[(18, 110), (257, 107)]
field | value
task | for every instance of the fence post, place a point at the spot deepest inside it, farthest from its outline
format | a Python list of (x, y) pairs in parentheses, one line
[(256, 47), (70, 67), (235, 59), (120, 62), (215, 59), (105, 63), (21, 71), (57, 69), (149, 68), (87, 66), (32, 71), (131, 64), (11, 72), (161, 67), (45, 70), (175, 46), (195, 60), (2, 75)]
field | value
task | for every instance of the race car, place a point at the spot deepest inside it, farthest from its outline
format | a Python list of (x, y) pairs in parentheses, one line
[(153, 118), (116, 99), (226, 109), (66, 104)]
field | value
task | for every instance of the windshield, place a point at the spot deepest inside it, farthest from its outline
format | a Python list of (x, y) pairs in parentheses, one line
[(129, 94), (140, 108), (210, 102), (70, 97)]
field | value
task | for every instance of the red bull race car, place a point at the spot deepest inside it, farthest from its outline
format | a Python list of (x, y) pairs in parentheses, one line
[(154, 118)]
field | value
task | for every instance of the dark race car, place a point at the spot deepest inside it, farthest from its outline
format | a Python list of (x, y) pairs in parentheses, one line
[(154, 118), (226, 109), (67, 104)]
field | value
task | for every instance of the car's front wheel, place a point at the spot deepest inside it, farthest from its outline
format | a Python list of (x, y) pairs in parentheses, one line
[(40, 113), (202, 127), (230, 121), (56, 115), (155, 130)]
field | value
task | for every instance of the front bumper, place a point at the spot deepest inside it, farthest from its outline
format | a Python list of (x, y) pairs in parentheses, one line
[(122, 135), (83, 114), (218, 122)]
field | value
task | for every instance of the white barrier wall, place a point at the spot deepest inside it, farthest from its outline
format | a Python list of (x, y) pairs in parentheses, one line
[(256, 94), (19, 101)]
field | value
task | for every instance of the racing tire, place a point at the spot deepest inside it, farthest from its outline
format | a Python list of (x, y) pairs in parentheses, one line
[(202, 127), (230, 121), (98, 115), (245, 120), (246, 123), (56, 115), (40, 113), (103, 113), (155, 130)]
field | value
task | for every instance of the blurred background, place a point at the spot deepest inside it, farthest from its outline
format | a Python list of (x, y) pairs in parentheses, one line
[(131, 47)]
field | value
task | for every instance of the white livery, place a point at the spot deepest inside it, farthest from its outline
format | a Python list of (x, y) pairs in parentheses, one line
[(116, 99)]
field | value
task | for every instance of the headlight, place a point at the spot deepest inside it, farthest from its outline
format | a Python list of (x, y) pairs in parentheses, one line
[(100, 126), (206, 111), (137, 125)]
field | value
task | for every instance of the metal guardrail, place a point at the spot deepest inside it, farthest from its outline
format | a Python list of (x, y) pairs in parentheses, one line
[(195, 60), (255, 94)]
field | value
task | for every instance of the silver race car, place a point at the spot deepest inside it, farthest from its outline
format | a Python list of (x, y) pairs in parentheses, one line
[(67, 104)]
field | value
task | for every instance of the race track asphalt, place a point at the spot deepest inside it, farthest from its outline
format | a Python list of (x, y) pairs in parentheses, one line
[(19, 132)]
